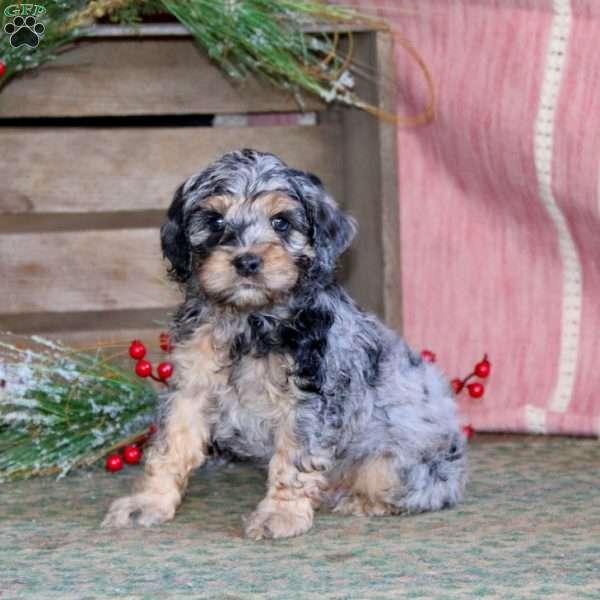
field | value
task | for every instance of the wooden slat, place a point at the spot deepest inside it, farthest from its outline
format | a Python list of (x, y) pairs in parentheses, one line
[(138, 77), (81, 221), (372, 266), (84, 322), (388, 175), (94, 170), (80, 271)]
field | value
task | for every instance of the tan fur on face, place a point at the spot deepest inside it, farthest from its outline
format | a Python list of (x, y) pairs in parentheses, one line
[(270, 204), (278, 275), (274, 203), (217, 274), (220, 204), (279, 270)]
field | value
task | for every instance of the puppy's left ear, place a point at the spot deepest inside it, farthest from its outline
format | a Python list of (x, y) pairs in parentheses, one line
[(175, 245), (333, 229)]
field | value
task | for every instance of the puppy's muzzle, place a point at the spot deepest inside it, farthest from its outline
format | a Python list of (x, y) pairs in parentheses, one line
[(247, 264)]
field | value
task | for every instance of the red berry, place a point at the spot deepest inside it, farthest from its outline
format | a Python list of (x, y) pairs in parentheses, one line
[(2, 68), (457, 385), (132, 454), (165, 370), (152, 429), (164, 341), (114, 463), (483, 368), (476, 390), (137, 350), (428, 355), (468, 431), (143, 368)]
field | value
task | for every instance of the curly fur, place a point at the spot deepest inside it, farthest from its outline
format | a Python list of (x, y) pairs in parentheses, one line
[(282, 367)]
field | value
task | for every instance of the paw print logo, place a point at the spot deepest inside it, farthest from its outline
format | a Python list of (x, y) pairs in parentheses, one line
[(24, 32)]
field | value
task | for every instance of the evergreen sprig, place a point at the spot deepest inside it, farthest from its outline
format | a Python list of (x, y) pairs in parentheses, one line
[(267, 38), (61, 408)]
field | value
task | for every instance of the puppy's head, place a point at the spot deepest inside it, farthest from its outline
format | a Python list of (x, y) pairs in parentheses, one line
[(248, 229)]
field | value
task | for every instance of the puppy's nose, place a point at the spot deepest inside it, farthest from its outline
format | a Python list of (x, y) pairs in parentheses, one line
[(247, 264)]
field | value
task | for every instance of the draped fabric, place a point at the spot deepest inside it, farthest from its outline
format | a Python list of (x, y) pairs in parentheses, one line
[(500, 202)]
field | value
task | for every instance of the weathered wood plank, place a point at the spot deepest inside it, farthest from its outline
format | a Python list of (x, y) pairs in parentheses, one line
[(388, 175), (81, 271), (68, 173), (122, 219), (97, 325), (94, 170), (372, 266), (138, 77)]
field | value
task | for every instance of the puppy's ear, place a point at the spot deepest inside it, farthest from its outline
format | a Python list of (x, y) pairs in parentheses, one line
[(333, 229), (174, 242)]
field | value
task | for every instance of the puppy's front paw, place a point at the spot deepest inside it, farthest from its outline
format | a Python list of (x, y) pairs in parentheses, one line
[(279, 523), (139, 510)]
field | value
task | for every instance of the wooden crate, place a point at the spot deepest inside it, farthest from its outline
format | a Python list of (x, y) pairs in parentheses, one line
[(94, 145)]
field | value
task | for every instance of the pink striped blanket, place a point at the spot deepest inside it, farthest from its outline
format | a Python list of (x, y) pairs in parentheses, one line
[(500, 202)]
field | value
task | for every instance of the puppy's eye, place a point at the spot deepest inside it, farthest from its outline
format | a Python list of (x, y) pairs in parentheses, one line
[(216, 224), (279, 224)]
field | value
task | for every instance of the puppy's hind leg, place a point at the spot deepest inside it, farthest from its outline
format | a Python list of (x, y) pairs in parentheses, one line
[(370, 488), (387, 485)]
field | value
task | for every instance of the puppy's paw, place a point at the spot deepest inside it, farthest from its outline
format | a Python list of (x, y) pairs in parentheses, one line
[(139, 510), (264, 525)]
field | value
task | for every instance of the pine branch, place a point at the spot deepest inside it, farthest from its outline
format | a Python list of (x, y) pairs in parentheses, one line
[(265, 38), (60, 408)]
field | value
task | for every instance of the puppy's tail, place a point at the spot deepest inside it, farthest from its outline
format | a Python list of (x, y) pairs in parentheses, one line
[(436, 483)]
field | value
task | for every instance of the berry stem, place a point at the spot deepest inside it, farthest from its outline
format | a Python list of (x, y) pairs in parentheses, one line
[(464, 381), (158, 379)]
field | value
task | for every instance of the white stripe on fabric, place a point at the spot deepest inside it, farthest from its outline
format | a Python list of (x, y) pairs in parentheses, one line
[(535, 419), (543, 151)]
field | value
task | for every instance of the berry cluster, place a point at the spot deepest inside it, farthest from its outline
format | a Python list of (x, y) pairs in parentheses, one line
[(130, 454), (143, 367), (475, 389)]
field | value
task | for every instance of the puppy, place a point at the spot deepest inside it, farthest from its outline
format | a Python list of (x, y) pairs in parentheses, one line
[(276, 363)]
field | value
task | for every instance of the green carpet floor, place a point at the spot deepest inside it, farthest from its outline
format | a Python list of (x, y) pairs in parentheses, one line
[(530, 528)]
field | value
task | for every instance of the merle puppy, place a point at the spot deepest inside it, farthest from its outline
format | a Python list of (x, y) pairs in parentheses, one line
[(276, 363)]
